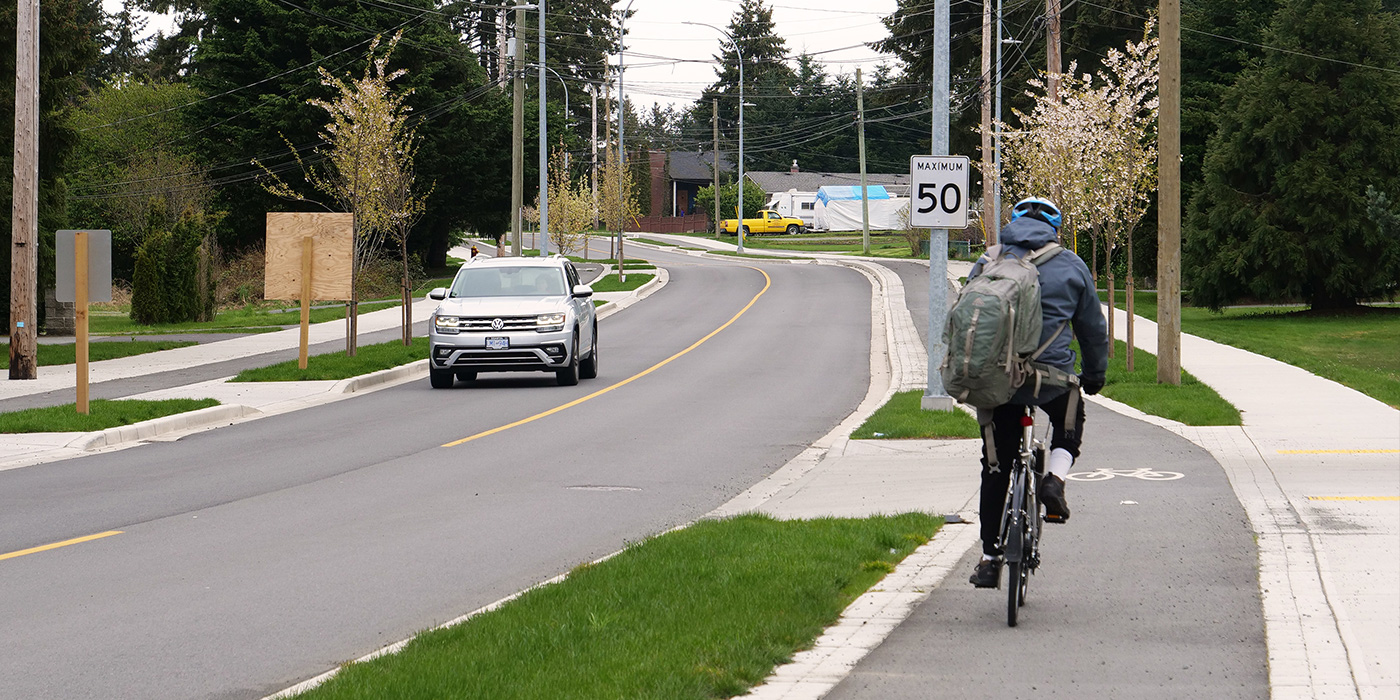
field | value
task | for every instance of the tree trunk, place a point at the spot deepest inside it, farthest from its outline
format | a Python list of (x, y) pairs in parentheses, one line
[(1112, 300), (1094, 260), (1129, 285), (407, 294)]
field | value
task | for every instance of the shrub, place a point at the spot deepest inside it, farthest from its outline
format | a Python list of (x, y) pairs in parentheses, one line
[(171, 282)]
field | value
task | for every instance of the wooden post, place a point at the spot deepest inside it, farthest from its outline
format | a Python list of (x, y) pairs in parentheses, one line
[(80, 317), (864, 190), (1169, 197), (1052, 48), (988, 173), (307, 247), (714, 124), (24, 223)]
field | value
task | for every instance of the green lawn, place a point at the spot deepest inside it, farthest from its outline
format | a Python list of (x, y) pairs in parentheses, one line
[(703, 612), (1191, 402), (1357, 350), (336, 365), (610, 283), (269, 316), (102, 414), (903, 418), (67, 353)]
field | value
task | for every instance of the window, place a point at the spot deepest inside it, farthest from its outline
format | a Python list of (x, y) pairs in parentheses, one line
[(509, 282), (773, 215), (808, 206)]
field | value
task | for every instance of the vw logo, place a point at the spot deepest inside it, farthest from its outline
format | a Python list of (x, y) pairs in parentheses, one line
[(497, 324)]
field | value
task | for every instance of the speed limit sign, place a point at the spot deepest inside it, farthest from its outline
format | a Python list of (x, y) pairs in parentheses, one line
[(938, 191)]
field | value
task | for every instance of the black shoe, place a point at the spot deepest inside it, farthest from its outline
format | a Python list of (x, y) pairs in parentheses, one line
[(1052, 494), (987, 574)]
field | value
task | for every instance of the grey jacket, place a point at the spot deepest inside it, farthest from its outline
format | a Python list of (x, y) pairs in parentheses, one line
[(1067, 293)]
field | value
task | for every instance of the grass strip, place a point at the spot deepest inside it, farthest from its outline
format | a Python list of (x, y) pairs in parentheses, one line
[(263, 318), (610, 283), (337, 365), (67, 353), (1191, 402), (102, 414), (902, 418), (648, 241), (736, 254), (703, 612), (1355, 349)]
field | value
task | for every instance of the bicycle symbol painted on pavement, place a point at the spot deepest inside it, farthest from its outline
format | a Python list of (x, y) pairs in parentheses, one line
[(1144, 473)]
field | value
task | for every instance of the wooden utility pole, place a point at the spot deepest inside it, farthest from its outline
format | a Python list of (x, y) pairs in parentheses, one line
[(864, 190), (1052, 48), (593, 169), (714, 124), (24, 231), (1169, 196), (988, 173), (517, 133)]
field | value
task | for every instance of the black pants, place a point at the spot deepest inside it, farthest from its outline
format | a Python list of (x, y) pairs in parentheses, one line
[(1006, 438)]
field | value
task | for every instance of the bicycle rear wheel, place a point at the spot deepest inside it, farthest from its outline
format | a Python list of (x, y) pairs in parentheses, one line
[(1016, 572)]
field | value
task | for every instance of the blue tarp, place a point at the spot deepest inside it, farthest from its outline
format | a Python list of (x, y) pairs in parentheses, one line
[(827, 193)]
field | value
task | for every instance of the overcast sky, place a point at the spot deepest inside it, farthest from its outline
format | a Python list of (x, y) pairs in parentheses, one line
[(671, 62)]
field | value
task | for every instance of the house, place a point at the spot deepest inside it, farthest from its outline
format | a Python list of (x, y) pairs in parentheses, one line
[(686, 173)]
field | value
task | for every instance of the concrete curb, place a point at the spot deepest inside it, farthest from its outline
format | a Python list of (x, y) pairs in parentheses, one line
[(383, 376), (638, 294), (155, 427)]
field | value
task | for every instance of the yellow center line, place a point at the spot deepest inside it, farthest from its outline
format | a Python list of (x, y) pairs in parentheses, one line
[(767, 282), (1354, 498), (1338, 452), (56, 545)]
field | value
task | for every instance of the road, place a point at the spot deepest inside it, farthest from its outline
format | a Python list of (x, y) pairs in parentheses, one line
[(257, 555)]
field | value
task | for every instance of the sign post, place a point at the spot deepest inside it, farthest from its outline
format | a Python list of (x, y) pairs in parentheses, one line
[(938, 188), (82, 274)]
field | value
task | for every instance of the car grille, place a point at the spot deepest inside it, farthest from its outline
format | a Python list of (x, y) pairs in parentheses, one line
[(483, 324), (497, 358)]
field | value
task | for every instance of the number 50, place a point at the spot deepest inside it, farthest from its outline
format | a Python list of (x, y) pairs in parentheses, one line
[(940, 199)]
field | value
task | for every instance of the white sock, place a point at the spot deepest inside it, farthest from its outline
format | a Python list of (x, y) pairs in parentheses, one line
[(1060, 462), (988, 557)]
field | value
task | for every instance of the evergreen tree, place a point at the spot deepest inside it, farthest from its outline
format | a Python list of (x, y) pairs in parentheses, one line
[(1282, 212)]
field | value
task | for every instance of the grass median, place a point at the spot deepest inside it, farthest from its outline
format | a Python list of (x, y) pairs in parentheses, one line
[(67, 353), (703, 612), (102, 414), (1190, 402), (337, 365), (611, 283), (262, 318), (902, 418)]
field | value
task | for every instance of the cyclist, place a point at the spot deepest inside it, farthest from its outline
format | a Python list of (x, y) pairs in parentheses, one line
[(1067, 295)]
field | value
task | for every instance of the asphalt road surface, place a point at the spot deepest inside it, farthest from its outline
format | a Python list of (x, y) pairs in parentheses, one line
[(258, 555), (1149, 591)]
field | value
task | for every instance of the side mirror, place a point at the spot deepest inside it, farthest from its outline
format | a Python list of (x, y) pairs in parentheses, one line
[(582, 291), (438, 293)]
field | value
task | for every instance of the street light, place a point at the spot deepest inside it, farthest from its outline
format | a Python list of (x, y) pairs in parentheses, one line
[(544, 150), (621, 144), (739, 229)]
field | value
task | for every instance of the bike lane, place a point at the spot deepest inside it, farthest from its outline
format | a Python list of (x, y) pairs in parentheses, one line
[(1150, 591)]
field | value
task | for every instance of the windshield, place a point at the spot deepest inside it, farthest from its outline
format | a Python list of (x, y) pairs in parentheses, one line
[(522, 281)]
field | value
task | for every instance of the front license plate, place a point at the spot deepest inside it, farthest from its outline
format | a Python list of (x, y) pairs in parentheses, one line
[(498, 343)]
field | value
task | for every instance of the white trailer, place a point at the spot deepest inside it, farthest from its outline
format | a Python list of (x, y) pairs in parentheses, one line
[(798, 205)]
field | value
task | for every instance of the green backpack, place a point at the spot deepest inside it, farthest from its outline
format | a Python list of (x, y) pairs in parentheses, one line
[(993, 328)]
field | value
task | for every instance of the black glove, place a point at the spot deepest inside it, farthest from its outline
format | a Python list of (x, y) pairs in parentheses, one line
[(1091, 383)]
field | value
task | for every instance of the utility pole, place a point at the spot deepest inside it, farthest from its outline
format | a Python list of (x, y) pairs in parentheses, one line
[(24, 230), (864, 190), (996, 147), (544, 149), (502, 51), (621, 145), (936, 397), (714, 124), (988, 174), (517, 133), (593, 167), (1169, 196), (1052, 48)]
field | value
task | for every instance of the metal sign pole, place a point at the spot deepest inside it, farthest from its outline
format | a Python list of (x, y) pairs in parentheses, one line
[(935, 396)]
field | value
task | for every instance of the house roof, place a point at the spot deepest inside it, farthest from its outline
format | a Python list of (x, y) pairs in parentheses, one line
[(698, 167), (773, 181)]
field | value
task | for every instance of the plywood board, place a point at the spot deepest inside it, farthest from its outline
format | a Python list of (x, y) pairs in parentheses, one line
[(332, 256)]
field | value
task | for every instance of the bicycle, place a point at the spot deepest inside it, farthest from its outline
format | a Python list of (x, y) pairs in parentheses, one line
[(1021, 519)]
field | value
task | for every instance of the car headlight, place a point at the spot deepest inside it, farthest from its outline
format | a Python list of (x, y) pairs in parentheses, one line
[(445, 321), (549, 322)]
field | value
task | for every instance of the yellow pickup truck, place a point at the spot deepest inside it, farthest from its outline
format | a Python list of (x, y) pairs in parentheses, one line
[(767, 222)]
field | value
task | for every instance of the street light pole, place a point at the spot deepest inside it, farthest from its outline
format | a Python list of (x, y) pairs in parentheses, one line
[(544, 149), (739, 227), (621, 145)]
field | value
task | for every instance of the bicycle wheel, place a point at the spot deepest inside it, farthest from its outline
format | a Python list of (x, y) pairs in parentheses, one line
[(1015, 543), (1015, 572)]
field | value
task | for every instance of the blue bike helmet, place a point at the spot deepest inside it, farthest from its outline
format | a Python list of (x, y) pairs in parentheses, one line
[(1039, 207)]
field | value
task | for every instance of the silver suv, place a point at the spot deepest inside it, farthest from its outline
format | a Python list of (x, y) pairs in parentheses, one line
[(513, 315)]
